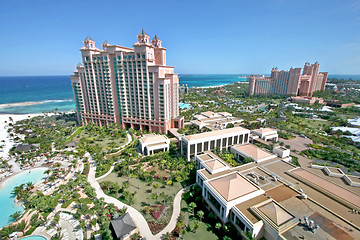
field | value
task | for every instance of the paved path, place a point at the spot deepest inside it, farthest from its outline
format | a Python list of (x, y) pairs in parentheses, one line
[(122, 147), (110, 170), (174, 216), (135, 214)]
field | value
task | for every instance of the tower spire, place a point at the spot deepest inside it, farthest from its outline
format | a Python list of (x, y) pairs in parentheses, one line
[(156, 41), (143, 37)]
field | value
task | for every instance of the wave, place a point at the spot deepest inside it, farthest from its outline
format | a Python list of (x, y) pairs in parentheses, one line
[(31, 103), (57, 101)]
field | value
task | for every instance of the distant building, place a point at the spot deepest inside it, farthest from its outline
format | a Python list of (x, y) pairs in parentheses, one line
[(308, 100), (183, 89), (214, 121), (339, 104), (132, 87), (152, 143), (290, 82)]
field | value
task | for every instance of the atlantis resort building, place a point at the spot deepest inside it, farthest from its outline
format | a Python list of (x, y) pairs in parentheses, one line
[(131, 87), (290, 82)]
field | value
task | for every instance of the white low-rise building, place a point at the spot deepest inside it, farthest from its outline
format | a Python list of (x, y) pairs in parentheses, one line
[(152, 143), (251, 151), (266, 134), (193, 145), (281, 152)]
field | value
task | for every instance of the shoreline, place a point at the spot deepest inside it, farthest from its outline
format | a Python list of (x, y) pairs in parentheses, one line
[(17, 173), (5, 140)]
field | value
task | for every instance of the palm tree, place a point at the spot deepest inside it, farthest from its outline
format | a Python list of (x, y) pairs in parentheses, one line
[(21, 226), (196, 225), (29, 185), (217, 226), (200, 214), (192, 206), (167, 236), (15, 215)]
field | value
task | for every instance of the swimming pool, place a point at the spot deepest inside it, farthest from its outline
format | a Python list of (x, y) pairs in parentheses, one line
[(7, 204), (34, 237), (185, 105)]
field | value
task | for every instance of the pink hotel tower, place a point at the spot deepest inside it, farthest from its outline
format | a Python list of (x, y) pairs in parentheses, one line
[(289, 82), (131, 87)]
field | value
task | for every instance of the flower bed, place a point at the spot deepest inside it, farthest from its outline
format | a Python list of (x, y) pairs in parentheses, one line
[(156, 227), (157, 211)]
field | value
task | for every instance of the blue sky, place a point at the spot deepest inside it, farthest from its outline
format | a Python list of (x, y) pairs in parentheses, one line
[(43, 37)]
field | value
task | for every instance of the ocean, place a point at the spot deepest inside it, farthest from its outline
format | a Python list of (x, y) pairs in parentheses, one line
[(49, 93)]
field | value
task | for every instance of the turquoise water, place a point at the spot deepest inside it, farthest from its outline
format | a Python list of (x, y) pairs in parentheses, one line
[(185, 105), (54, 92), (34, 237), (7, 204)]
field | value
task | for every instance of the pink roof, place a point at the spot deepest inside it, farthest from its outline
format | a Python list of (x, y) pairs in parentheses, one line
[(208, 113), (276, 214), (153, 138), (329, 186), (215, 164), (253, 151), (233, 186), (264, 130)]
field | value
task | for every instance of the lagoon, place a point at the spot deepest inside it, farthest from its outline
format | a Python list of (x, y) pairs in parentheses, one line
[(7, 204)]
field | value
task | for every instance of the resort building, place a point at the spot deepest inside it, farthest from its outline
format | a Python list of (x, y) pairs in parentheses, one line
[(274, 199), (308, 100), (214, 121), (251, 151), (266, 134), (152, 143), (132, 87), (192, 145), (281, 152), (291, 82)]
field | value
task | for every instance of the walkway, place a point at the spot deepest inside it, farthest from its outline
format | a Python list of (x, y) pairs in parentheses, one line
[(174, 216), (122, 147), (135, 214), (108, 172)]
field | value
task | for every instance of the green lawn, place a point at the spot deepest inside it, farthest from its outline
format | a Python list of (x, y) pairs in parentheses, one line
[(202, 233), (77, 132), (144, 192)]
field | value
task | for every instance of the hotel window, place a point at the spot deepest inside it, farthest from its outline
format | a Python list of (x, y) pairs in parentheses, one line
[(192, 149), (212, 145), (230, 141), (224, 142), (206, 145), (246, 138), (214, 202), (239, 223), (199, 147), (218, 143)]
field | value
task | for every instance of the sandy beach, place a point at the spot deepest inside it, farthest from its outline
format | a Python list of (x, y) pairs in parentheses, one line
[(19, 104), (5, 139)]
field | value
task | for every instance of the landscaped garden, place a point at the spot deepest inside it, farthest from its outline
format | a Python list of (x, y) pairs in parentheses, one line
[(149, 184)]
